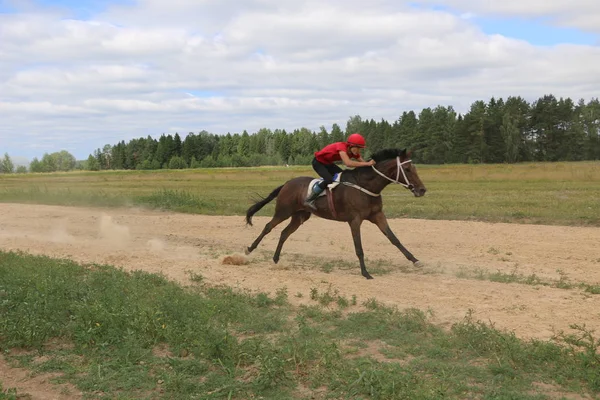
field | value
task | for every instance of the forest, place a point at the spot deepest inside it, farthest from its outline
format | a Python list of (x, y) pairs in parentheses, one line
[(496, 131)]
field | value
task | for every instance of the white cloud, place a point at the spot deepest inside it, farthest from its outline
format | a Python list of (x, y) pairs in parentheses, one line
[(224, 67), (583, 14)]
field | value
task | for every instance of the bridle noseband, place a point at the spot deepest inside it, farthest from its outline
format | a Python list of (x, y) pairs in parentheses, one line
[(399, 164)]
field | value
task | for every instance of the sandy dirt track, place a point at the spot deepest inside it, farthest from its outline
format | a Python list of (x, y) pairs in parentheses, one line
[(175, 244)]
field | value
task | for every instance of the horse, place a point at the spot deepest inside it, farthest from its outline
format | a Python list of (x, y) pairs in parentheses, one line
[(357, 197)]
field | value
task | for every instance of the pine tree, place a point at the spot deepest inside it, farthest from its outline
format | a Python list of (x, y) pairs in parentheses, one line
[(243, 147), (177, 145), (336, 134), (591, 122), (323, 137), (475, 124), (511, 136), (494, 139)]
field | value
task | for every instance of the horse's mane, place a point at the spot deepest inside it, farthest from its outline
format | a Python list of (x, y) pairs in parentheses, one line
[(387, 154)]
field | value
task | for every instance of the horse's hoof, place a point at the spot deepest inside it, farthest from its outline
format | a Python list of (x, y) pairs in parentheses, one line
[(367, 275), (275, 260), (418, 264), (247, 250)]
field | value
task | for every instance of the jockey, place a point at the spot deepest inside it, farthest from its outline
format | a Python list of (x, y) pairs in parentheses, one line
[(324, 163)]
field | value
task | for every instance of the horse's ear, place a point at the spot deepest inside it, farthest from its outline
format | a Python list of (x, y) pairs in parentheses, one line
[(403, 152), (409, 154)]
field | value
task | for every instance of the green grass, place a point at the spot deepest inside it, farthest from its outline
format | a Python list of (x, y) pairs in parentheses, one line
[(547, 193), (7, 394), (116, 334), (563, 282)]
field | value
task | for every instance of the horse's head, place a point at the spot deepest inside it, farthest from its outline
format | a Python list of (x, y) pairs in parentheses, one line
[(396, 166)]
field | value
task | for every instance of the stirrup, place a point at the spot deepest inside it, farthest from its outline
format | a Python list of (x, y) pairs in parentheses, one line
[(310, 200), (310, 203)]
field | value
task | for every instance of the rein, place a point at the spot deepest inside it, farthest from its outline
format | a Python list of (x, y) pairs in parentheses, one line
[(399, 164), (362, 189)]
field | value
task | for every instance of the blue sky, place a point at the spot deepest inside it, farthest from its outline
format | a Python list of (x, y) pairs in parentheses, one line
[(83, 9), (76, 75), (536, 31)]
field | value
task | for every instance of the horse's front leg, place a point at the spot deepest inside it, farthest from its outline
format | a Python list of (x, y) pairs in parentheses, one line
[(355, 229), (380, 220)]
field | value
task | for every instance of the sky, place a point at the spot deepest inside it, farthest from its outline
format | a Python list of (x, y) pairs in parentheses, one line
[(76, 75)]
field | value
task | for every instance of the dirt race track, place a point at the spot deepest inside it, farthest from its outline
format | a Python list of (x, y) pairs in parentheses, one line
[(175, 244)]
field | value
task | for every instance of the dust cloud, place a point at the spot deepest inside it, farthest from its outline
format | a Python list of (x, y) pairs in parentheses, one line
[(110, 231)]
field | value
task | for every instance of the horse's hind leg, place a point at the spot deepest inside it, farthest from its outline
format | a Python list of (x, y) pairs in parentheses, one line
[(278, 218), (297, 219)]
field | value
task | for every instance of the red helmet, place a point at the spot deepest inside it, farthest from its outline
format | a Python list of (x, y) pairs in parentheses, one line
[(357, 140)]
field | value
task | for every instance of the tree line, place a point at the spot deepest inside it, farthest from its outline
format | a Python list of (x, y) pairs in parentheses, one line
[(57, 161), (50, 162), (496, 131)]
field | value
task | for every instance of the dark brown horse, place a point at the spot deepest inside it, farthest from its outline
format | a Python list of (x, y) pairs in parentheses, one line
[(355, 199)]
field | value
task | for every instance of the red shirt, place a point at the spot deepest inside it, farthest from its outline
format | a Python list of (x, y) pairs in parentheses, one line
[(331, 153)]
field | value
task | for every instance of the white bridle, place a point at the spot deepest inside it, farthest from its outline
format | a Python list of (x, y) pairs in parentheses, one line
[(407, 185)]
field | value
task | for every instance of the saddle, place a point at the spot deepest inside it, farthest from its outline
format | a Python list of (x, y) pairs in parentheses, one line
[(337, 178), (328, 190)]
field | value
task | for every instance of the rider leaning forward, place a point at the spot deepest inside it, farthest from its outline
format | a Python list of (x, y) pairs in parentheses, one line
[(324, 162)]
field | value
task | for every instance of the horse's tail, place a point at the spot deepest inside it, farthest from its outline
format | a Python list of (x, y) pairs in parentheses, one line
[(260, 204)]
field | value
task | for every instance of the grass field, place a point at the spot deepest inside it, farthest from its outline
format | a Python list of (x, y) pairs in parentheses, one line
[(546, 193), (97, 327)]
